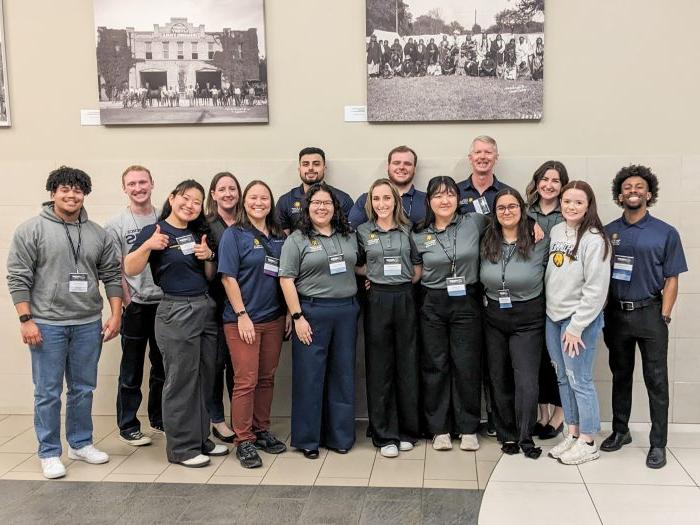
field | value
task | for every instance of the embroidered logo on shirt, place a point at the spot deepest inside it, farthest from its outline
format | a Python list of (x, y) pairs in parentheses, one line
[(429, 241), (256, 244), (296, 207), (615, 239)]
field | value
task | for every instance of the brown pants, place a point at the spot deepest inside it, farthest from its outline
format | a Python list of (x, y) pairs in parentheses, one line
[(254, 368)]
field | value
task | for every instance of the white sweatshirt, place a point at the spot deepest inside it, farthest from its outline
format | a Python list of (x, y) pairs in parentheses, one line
[(576, 287)]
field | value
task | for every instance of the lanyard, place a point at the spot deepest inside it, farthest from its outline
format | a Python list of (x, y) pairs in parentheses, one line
[(410, 204), (339, 252), (400, 242), (453, 259), (134, 218), (76, 251), (505, 259)]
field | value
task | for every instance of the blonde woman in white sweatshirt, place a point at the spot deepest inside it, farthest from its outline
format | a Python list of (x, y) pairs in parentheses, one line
[(576, 284)]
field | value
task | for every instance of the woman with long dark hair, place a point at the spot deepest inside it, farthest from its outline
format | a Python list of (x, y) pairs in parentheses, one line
[(391, 350), (576, 284), (512, 272), (318, 280), (254, 320), (542, 195), (223, 207), (447, 244), (182, 264)]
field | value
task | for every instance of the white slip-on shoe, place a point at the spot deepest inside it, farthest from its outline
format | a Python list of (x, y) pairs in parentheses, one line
[(469, 442), (561, 447), (442, 442), (218, 450), (89, 454), (200, 460), (580, 452), (389, 451), (405, 446), (52, 467)]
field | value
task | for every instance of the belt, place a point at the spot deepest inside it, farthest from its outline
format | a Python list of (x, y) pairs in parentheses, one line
[(185, 298), (629, 306)]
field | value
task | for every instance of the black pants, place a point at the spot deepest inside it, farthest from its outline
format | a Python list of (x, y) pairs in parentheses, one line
[(391, 359), (137, 331), (451, 362), (224, 370), (549, 387), (514, 338), (622, 332)]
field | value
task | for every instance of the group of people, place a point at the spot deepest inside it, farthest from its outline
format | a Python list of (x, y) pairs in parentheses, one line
[(479, 57), (465, 287)]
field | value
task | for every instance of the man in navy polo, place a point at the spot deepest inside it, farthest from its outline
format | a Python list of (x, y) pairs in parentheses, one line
[(478, 192), (401, 169), (647, 259), (312, 169)]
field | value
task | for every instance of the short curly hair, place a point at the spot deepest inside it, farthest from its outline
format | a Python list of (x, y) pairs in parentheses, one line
[(634, 170), (67, 176)]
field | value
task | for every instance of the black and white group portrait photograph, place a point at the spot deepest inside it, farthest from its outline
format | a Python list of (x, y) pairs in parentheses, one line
[(447, 60), (4, 97), (181, 61)]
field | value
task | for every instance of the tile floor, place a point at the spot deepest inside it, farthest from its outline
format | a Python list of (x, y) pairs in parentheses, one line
[(616, 489)]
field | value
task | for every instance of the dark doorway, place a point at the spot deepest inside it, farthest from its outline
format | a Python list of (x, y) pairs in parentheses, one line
[(155, 79), (213, 77)]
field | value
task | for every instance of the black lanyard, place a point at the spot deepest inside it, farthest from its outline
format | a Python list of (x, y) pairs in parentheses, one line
[(410, 205), (505, 259), (379, 236), (76, 251), (333, 236), (262, 240), (453, 259)]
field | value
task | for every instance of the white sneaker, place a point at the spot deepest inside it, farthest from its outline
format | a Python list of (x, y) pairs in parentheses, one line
[(442, 442), (218, 450), (405, 446), (199, 460), (88, 453), (389, 451), (52, 468), (561, 447), (469, 442), (580, 452)]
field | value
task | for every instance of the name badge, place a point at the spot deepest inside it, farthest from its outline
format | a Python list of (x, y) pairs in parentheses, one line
[(272, 266), (392, 266), (481, 206), (186, 243), (336, 264), (456, 286), (622, 268), (78, 283), (504, 299)]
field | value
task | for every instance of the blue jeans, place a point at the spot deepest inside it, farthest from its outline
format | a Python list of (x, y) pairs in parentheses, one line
[(74, 351), (575, 374)]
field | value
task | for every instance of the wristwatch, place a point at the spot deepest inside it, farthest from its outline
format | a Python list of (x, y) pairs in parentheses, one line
[(25, 317), (297, 316), (666, 318), (241, 313)]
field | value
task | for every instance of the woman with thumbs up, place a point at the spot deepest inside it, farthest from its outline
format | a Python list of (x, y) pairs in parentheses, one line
[(182, 263)]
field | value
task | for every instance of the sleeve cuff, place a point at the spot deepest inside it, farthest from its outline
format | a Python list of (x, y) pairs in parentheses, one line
[(21, 296), (114, 291)]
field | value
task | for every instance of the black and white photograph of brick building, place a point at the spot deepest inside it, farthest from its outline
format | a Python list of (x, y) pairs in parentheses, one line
[(442, 60), (181, 62)]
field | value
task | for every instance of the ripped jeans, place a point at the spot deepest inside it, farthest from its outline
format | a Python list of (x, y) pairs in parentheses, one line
[(575, 374)]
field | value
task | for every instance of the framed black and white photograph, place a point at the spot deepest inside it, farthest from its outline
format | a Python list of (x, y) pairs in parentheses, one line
[(4, 95), (442, 60), (181, 61)]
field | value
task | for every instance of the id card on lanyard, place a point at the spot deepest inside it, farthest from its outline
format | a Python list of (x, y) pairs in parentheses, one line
[(271, 266), (186, 243), (481, 206), (622, 267), (77, 281), (456, 285), (336, 261), (504, 300)]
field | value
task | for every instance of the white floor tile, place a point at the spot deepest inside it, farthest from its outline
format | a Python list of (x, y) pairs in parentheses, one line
[(545, 470)]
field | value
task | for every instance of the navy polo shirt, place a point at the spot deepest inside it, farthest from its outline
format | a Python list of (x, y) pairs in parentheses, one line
[(468, 194), (413, 202), (290, 204), (242, 257), (175, 273), (657, 251)]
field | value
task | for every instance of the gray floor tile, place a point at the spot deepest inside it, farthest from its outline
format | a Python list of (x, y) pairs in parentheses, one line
[(265, 511), (174, 490), (219, 504), (282, 491), (388, 512), (151, 510), (337, 505), (14, 491), (445, 506), (393, 493)]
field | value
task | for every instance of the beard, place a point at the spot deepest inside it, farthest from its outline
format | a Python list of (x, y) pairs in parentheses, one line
[(306, 180)]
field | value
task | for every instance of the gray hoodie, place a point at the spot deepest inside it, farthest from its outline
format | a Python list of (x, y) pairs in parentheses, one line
[(40, 261)]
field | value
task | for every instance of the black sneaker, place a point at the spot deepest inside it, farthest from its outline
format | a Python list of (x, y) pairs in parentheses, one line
[(158, 428), (267, 442), (135, 438), (247, 454)]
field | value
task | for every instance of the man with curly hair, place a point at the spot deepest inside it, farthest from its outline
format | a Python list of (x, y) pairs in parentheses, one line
[(55, 263), (647, 259)]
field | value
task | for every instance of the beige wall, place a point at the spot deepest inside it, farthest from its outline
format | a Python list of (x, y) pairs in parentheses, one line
[(621, 87)]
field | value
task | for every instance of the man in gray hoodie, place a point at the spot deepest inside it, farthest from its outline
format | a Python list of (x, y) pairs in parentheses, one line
[(55, 262)]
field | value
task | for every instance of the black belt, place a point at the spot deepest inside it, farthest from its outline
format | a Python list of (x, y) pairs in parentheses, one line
[(629, 306)]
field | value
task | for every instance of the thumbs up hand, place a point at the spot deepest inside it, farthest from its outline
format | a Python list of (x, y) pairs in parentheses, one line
[(158, 241), (202, 250)]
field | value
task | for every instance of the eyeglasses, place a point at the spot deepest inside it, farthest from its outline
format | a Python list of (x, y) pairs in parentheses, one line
[(318, 204), (511, 208)]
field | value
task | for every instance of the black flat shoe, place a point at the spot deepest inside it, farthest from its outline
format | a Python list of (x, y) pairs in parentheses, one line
[(339, 450), (549, 432), (537, 429), (656, 458), (511, 448), (616, 441), (310, 453), (531, 451), (218, 435)]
